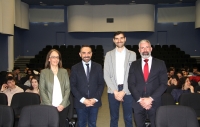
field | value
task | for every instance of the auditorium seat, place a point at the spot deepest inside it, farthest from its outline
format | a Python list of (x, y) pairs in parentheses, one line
[(128, 47), (19, 100), (39, 116), (56, 47), (175, 116), (191, 100), (3, 99), (93, 48), (6, 116), (167, 99)]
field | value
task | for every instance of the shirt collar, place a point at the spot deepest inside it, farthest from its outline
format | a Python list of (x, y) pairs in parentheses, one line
[(150, 58), (123, 51), (86, 63)]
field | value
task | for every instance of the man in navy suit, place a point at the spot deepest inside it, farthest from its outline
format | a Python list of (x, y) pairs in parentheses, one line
[(147, 81), (87, 86)]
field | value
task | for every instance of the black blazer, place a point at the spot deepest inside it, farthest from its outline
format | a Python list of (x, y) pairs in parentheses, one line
[(156, 83), (80, 85)]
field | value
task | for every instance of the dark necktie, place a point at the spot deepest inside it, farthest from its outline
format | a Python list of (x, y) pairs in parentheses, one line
[(146, 70), (87, 72)]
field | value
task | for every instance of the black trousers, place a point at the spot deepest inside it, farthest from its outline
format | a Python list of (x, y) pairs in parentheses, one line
[(62, 118)]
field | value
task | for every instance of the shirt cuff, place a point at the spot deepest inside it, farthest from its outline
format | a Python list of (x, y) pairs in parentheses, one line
[(82, 100), (95, 99), (139, 100), (151, 98)]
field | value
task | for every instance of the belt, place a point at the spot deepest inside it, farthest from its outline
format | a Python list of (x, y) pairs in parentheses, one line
[(120, 84)]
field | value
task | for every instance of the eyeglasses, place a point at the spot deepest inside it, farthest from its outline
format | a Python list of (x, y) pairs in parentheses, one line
[(54, 57)]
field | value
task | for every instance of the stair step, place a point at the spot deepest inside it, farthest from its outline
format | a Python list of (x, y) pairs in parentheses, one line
[(22, 61)]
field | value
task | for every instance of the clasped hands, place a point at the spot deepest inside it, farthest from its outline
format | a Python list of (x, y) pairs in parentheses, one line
[(119, 95), (146, 102), (89, 102), (60, 108)]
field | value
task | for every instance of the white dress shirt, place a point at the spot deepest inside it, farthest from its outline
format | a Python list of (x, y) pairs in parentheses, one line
[(57, 94), (149, 63), (85, 68), (120, 59)]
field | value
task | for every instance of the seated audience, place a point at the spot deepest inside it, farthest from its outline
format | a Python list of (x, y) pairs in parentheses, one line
[(179, 74), (195, 79), (173, 81), (28, 82), (34, 85), (10, 88), (195, 72), (16, 73), (23, 74), (183, 86), (185, 72), (29, 72), (172, 84), (171, 72), (5, 77)]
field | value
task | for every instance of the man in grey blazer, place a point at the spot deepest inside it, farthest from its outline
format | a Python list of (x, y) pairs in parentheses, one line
[(116, 68)]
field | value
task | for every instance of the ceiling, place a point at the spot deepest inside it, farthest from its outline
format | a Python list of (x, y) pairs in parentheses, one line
[(102, 2)]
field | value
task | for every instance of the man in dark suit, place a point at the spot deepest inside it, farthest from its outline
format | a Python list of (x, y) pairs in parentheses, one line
[(87, 86), (147, 81)]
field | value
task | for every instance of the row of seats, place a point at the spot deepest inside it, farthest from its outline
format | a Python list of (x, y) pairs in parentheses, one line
[(187, 99), (70, 55), (31, 116), (97, 48), (44, 115), (172, 55), (20, 100)]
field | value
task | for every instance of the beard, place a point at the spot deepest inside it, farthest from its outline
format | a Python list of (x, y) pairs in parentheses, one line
[(145, 55), (120, 45), (86, 59)]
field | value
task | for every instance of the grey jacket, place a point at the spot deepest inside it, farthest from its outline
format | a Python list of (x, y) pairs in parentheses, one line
[(110, 70), (46, 86)]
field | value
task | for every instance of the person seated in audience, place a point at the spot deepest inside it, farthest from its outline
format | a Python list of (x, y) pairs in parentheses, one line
[(171, 72), (34, 85), (28, 82), (195, 71), (6, 76), (16, 73), (172, 84), (10, 88), (23, 74), (29, 72), (183, 86), (179, 74), (185, 72), (9, 74), (195, 79)]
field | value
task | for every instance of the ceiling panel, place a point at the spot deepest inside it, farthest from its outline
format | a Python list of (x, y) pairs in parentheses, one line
[(101, 2)]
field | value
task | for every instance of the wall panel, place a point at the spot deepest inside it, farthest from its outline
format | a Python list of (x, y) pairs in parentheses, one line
[(93, 18), (197, 22)]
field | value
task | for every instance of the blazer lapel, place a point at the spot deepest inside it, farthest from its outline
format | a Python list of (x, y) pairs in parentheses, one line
[(126, 62), (82, 71), (114, 62), (140, 69), (92, 70), (153, 67)]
